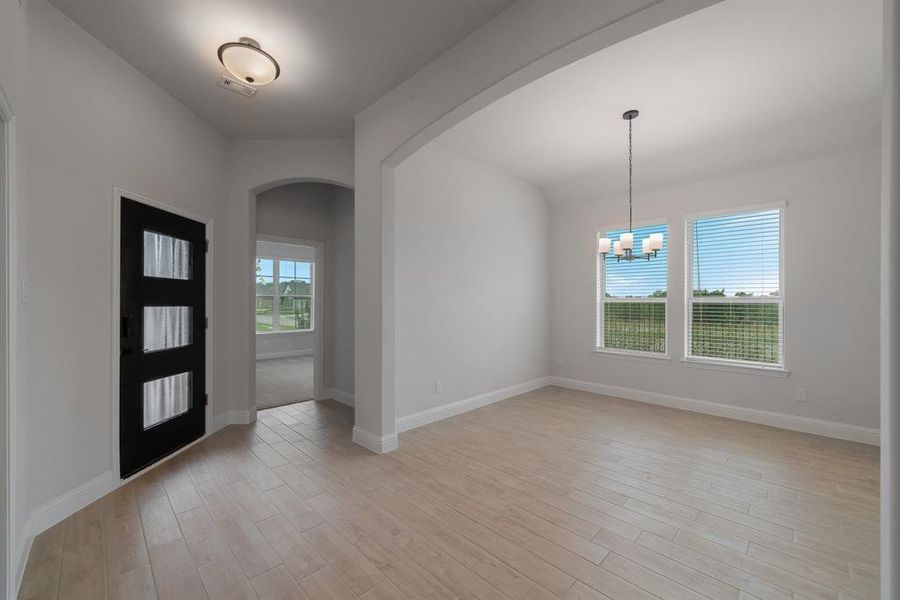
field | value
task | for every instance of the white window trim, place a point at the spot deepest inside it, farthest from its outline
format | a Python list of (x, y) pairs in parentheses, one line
[(276, 295), (600, 287), (718, 364), (633, 355), (734, 366)]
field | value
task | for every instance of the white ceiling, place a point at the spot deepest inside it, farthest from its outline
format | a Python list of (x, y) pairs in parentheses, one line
[(739, 84), (337, 56)]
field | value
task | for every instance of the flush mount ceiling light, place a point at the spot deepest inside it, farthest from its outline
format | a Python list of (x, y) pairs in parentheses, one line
[(248, 62), (623, 248)]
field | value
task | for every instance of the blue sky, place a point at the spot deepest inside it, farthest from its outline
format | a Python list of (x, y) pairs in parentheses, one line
[(740, 253), (287, 269), (737, 253)]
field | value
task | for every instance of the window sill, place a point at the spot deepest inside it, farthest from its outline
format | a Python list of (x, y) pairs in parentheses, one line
[(288, 332), (715, 365), (639, 356)]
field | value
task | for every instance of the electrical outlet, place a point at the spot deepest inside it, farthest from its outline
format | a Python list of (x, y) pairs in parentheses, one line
[(438, 386), (800, 394)]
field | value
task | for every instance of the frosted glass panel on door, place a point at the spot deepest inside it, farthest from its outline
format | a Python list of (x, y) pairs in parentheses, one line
[(166, 327), (166, 398), (166, 257)]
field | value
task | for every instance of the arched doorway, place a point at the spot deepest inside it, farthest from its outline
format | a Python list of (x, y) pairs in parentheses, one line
[(302, 278)]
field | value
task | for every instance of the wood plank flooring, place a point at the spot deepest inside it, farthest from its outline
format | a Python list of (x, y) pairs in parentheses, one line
[(553, 494)]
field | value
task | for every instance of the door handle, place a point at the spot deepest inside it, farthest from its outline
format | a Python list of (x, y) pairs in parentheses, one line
[(126, 333)]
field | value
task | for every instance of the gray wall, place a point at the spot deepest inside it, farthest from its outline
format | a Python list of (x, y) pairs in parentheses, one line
[(321, 212), (339, 320), (472, 273)]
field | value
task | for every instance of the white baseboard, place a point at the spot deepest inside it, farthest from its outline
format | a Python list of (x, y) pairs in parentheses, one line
[(232, 417), (340, 396), (218, 422), (855, 433), (460, 406), (239, 417), (50, 513), (23, 549), (284, 354), (370, 441)]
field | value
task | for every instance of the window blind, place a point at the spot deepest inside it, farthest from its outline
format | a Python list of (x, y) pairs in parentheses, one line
[(736, 298), (631, 297)]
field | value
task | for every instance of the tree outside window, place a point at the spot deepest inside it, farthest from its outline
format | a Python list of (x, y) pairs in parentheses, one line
[(284, 295)]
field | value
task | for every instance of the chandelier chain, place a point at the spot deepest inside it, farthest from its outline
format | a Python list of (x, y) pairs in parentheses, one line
[(630, 162)]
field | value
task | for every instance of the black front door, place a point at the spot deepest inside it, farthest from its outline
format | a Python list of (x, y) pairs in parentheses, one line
[(162, 370)]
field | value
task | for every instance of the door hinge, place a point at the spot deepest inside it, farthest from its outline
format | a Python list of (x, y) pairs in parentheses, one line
[(206, 245), (205, 322), (205, 399)]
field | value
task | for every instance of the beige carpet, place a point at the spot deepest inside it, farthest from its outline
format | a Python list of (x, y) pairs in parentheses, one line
[(282, 381)]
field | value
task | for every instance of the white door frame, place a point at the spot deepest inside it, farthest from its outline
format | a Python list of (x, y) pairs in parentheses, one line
[(8, 332), (319, 308), (118, 194)]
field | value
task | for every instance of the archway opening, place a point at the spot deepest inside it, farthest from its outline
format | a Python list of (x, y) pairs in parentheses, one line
[(302, 275)]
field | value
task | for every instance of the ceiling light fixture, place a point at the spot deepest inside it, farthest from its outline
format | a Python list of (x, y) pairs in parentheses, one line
[(248, 62), (623, 248)]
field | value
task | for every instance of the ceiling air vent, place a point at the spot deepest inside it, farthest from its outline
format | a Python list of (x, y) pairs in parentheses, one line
[(236, 86)]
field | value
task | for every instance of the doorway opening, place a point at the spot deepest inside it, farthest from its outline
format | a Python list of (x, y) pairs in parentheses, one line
[(287, 279), (303, 305)]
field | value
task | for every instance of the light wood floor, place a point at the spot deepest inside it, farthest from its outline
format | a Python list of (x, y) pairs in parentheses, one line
[(554, 494)]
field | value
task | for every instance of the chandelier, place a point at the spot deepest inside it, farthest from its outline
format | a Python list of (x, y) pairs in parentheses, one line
[(623, 248)]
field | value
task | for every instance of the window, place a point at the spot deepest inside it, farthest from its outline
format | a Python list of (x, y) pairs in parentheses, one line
[(284, 295), (631, 298), (735, 304)]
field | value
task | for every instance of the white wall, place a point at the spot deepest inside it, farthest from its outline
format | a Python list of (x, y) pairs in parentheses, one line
[(471, 280), (91, 122), (320, 212), (831, 299), (276, 344)]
